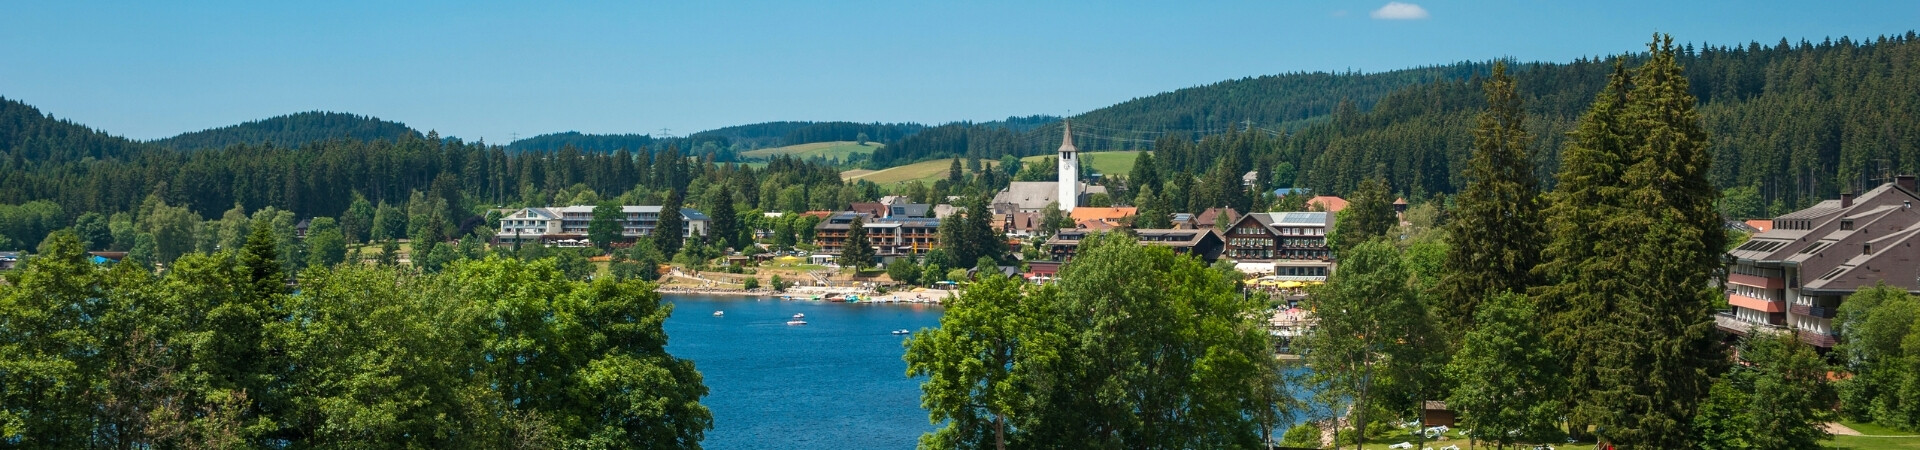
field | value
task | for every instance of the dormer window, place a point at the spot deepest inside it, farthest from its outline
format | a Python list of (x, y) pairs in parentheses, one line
[(1866, 249), (1846, 224)]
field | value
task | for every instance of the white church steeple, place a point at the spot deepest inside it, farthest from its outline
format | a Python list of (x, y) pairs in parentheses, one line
[(1069, 162)]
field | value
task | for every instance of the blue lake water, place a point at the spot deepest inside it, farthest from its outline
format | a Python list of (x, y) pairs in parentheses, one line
[(836, 383)]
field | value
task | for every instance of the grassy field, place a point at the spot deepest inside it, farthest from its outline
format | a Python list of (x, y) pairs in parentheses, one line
[(924, 171), (1874, 443), (831, 150), (1878, 437), (1118, 163), (1112, 163)]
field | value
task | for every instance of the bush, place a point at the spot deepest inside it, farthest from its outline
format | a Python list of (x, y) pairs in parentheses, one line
[(777, 284), (1304, 435), (750, 284)]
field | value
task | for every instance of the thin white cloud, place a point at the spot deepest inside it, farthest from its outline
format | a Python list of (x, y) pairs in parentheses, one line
[(1400, 11)]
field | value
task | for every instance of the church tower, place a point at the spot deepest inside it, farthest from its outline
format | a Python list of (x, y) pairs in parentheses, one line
[(1069, 163)]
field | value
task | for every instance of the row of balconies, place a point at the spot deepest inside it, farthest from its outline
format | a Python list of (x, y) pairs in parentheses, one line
[(1823, 312), (1729, 323)]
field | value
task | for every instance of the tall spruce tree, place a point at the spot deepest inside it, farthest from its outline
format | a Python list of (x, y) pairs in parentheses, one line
[(1634, 320), (1674, 243), (1370, 215), (1496, 231), (1144, 174), (726, 223), (1577, 298), (668, 234), (858, 250)]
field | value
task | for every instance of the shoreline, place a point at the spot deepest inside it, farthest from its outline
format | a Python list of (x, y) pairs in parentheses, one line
[(866, 297)]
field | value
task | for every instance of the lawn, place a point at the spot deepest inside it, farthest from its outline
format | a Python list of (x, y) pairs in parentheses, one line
[(1110, 163), (1874, 443), (1877, 437), (924, 171), (830, 150)]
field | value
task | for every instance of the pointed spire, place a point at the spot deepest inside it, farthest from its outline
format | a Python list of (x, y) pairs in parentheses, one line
[(1066, 138)]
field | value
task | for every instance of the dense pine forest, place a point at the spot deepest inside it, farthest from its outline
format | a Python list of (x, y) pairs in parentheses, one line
[(293, 130), (724, 142), (55, 171), (1793, 122)]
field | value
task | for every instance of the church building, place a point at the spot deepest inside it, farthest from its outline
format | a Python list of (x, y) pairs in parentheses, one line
[(1069, 191)]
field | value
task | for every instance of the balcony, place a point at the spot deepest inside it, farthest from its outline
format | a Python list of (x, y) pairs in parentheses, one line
[(1822, 340), (1756, 304), (1756, 281), (1728, 323), (1812, 311)]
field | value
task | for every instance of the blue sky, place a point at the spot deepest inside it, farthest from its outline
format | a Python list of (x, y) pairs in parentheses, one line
[(491, 69)]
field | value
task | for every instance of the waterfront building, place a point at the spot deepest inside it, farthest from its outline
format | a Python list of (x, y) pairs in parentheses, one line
[(890, 237), (1294, 243), (1203, 243), (551, 224), (1792, 277)]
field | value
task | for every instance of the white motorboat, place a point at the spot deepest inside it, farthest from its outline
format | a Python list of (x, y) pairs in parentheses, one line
[(799, 315), (902, 332), (719, 313), (796, 322)]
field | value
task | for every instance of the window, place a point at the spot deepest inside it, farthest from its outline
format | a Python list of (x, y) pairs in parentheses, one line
[(1846, 224), (1866, 249)]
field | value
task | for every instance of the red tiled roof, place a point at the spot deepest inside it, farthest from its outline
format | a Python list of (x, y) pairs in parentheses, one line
[(1328, 203)]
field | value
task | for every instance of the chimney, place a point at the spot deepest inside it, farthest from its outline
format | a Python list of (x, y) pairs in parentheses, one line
[(1846, 199), (1905, 182)]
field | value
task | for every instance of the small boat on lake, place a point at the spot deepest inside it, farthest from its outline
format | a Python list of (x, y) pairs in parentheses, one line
[(719, 313), (799, 315), (902, 332), (796, 322)]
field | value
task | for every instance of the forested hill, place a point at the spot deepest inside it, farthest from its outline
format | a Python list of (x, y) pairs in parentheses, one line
[(293, 130), (29, 136), (723, 143), (582, 141), (1790, 123)]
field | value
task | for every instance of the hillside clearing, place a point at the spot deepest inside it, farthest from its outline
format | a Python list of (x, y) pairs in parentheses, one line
[(1108, 163), (831, 150)]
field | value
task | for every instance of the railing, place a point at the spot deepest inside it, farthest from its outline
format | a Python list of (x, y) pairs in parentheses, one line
[(1824, 340), (1728, 323), (1813, 311)]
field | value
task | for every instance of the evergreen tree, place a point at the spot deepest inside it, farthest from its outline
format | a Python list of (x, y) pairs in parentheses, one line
[(858, 251), (725, 228), (1675, 252), (955, 176), (1580, 297), (1145, 173), (1368, 216), (1643, 309), (669, 233), (1495, 232), (604, 228), (1152, 212), (986, 242)]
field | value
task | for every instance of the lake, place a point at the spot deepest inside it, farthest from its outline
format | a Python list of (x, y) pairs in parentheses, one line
[(837, 382)]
